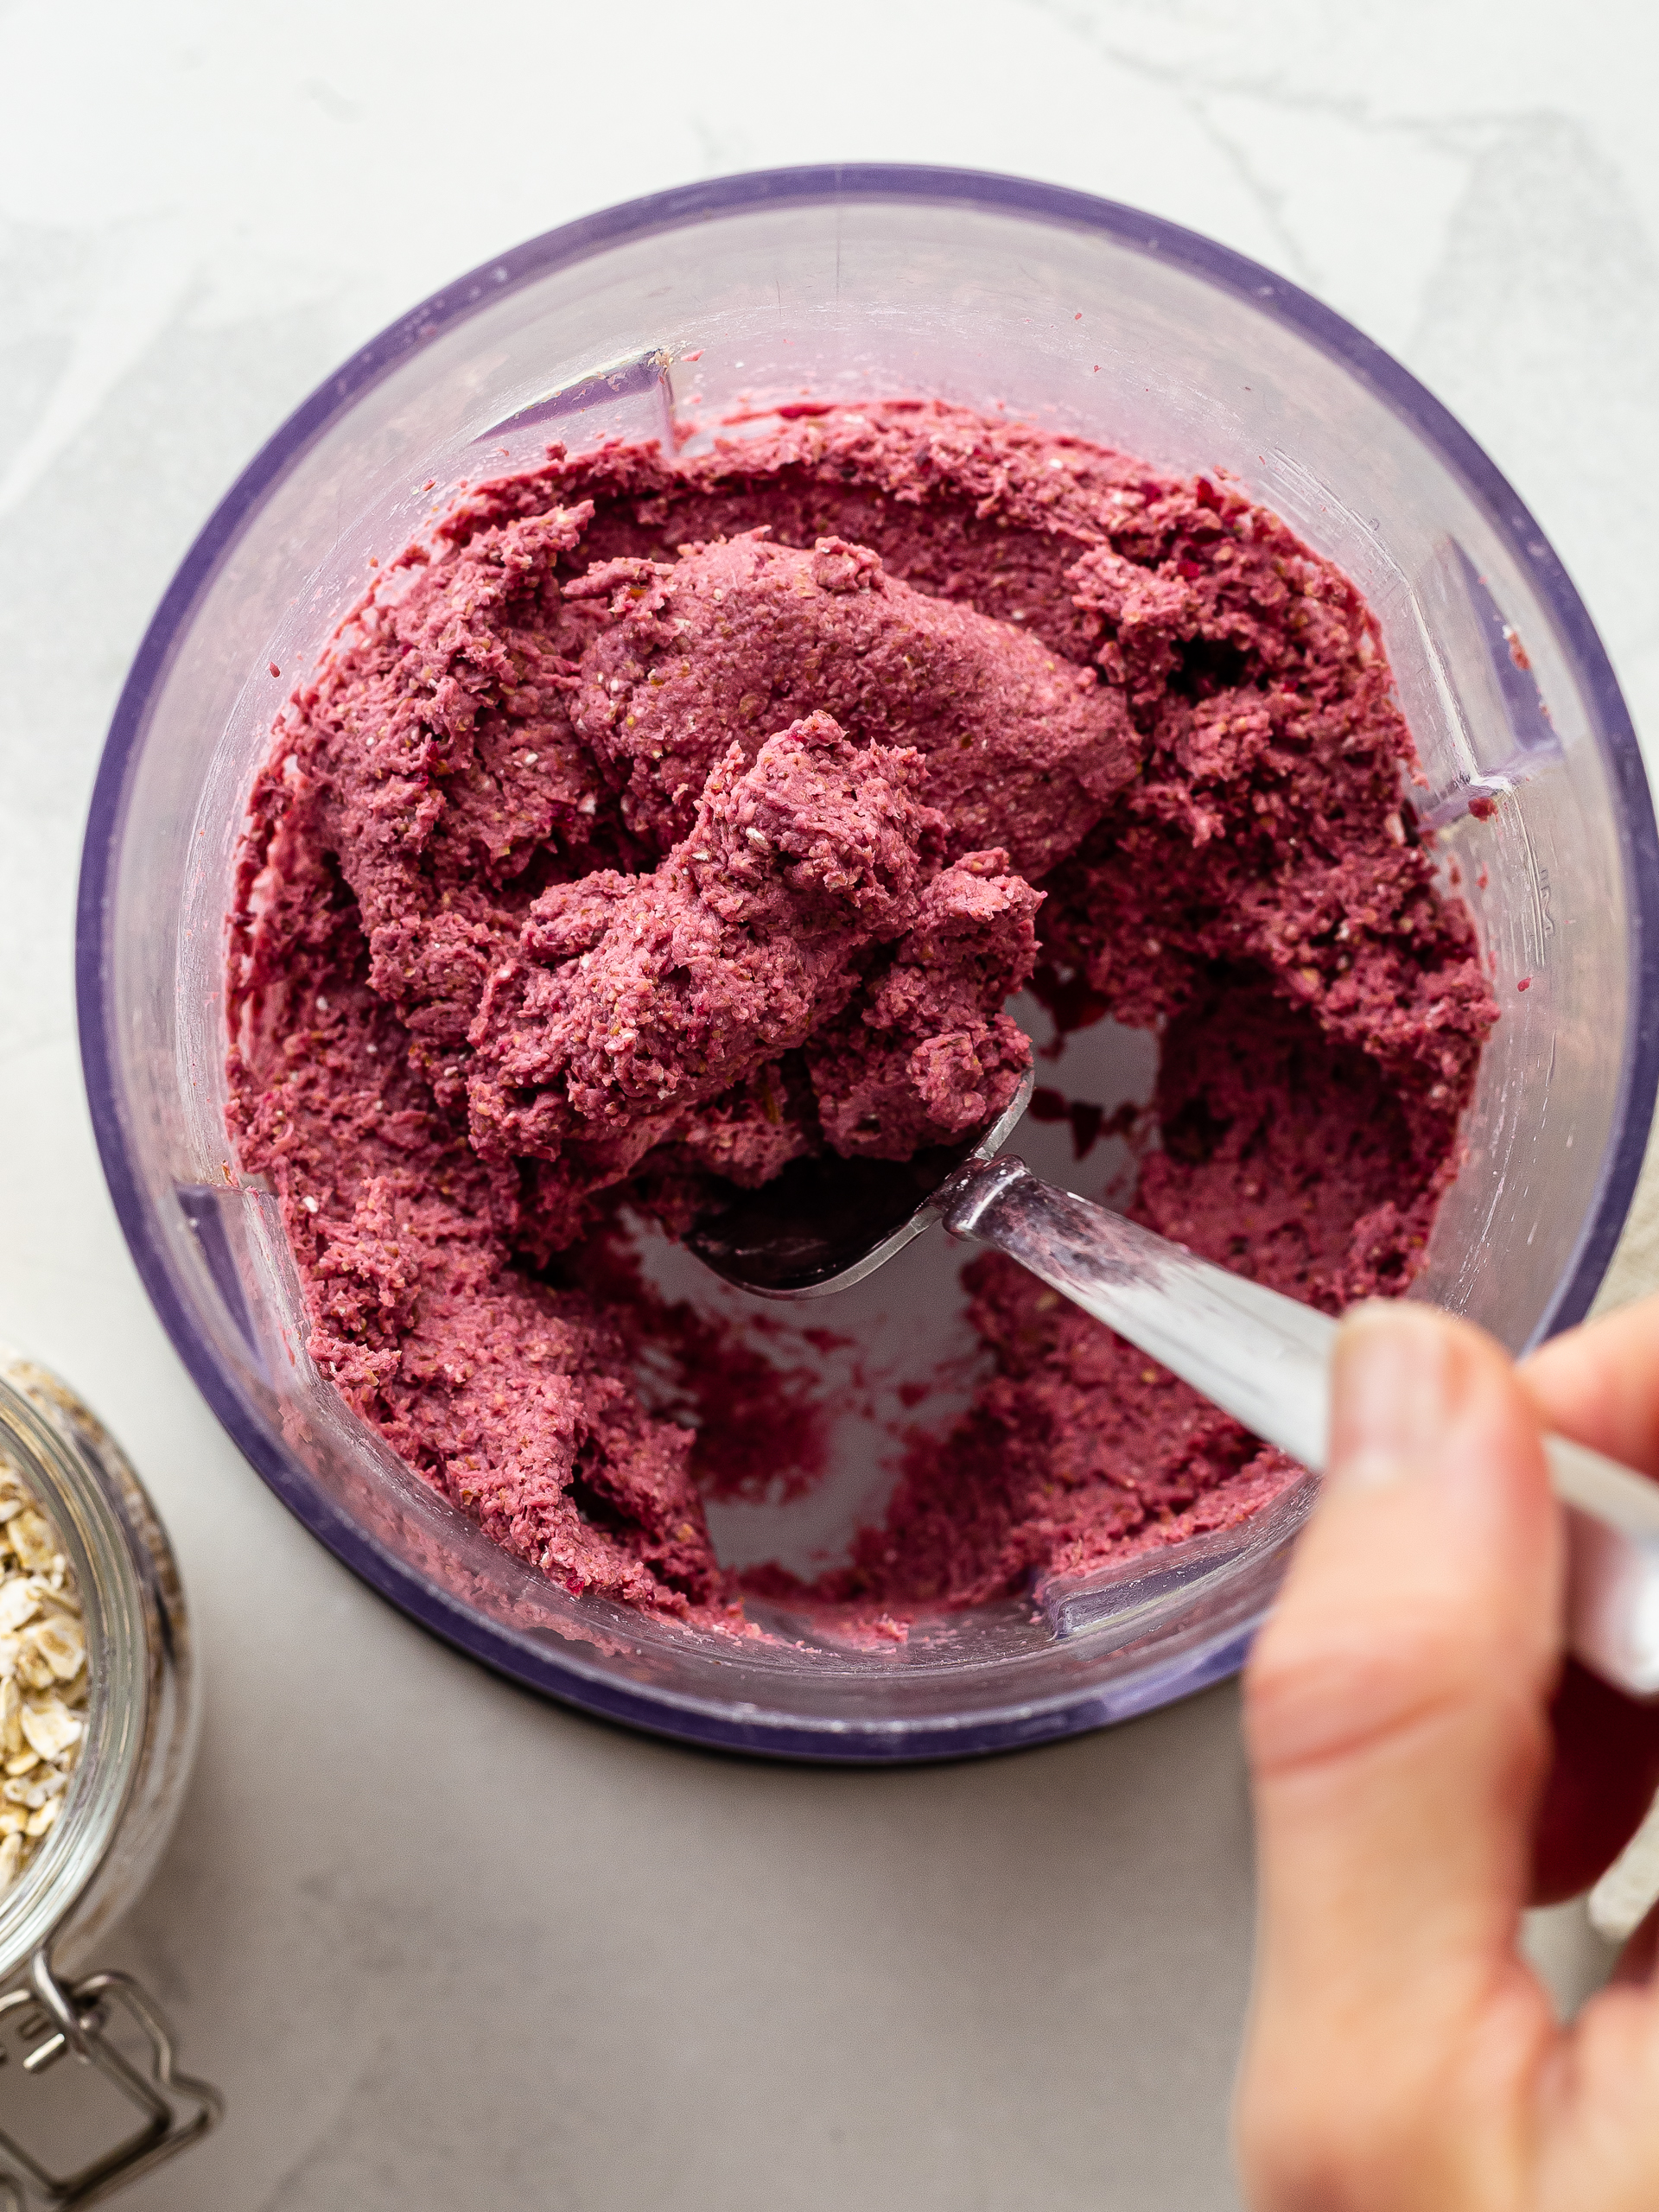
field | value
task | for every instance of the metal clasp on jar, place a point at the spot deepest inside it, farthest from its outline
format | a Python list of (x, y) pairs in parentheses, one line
[(74, 2019)]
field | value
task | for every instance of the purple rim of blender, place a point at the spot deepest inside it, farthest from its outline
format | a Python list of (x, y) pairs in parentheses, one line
[(662, 1712)]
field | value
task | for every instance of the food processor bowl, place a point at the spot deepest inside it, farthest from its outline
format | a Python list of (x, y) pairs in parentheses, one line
[(787, 289)]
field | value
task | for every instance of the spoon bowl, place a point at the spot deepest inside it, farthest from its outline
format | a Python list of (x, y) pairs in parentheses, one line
[(825, 1222)]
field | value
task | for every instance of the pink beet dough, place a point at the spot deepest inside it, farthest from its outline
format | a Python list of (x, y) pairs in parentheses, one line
[(657, 820)]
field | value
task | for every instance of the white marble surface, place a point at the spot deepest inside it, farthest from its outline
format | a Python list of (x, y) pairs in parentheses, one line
[(441, 1942)]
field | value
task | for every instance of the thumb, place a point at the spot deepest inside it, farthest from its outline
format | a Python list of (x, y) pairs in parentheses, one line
[(1395, 1719)]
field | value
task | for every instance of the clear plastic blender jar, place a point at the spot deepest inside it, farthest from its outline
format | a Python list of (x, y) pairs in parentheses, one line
[(842, 284)]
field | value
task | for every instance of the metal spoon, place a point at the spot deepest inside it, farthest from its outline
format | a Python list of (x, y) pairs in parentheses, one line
[(825, 1224)]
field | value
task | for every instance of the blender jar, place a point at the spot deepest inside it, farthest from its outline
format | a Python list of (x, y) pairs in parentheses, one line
[(660, 318), (118, 1805)]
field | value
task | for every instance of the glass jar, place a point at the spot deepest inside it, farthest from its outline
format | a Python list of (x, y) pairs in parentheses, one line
[(119, 1805)]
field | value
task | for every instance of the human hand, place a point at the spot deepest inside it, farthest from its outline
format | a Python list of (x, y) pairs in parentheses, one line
[(1423, 1768)]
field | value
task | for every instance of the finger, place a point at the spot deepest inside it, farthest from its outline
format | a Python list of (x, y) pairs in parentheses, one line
[(1395, 1722), (1599, 1384), (1602, 1778), (1395, 1706)]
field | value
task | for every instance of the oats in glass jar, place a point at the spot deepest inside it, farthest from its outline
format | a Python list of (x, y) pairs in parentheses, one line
[(42, 1676)]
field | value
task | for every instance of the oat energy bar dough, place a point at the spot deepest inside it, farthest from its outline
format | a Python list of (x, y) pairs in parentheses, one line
[(651, 820)]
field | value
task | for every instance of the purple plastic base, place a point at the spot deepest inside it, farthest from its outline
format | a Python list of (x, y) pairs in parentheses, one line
[(1128, 226)]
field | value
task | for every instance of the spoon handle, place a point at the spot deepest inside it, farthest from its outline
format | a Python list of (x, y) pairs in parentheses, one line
[(1266, 1360)]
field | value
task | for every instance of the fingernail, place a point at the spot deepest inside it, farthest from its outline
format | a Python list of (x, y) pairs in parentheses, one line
[(1394, 1393)]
